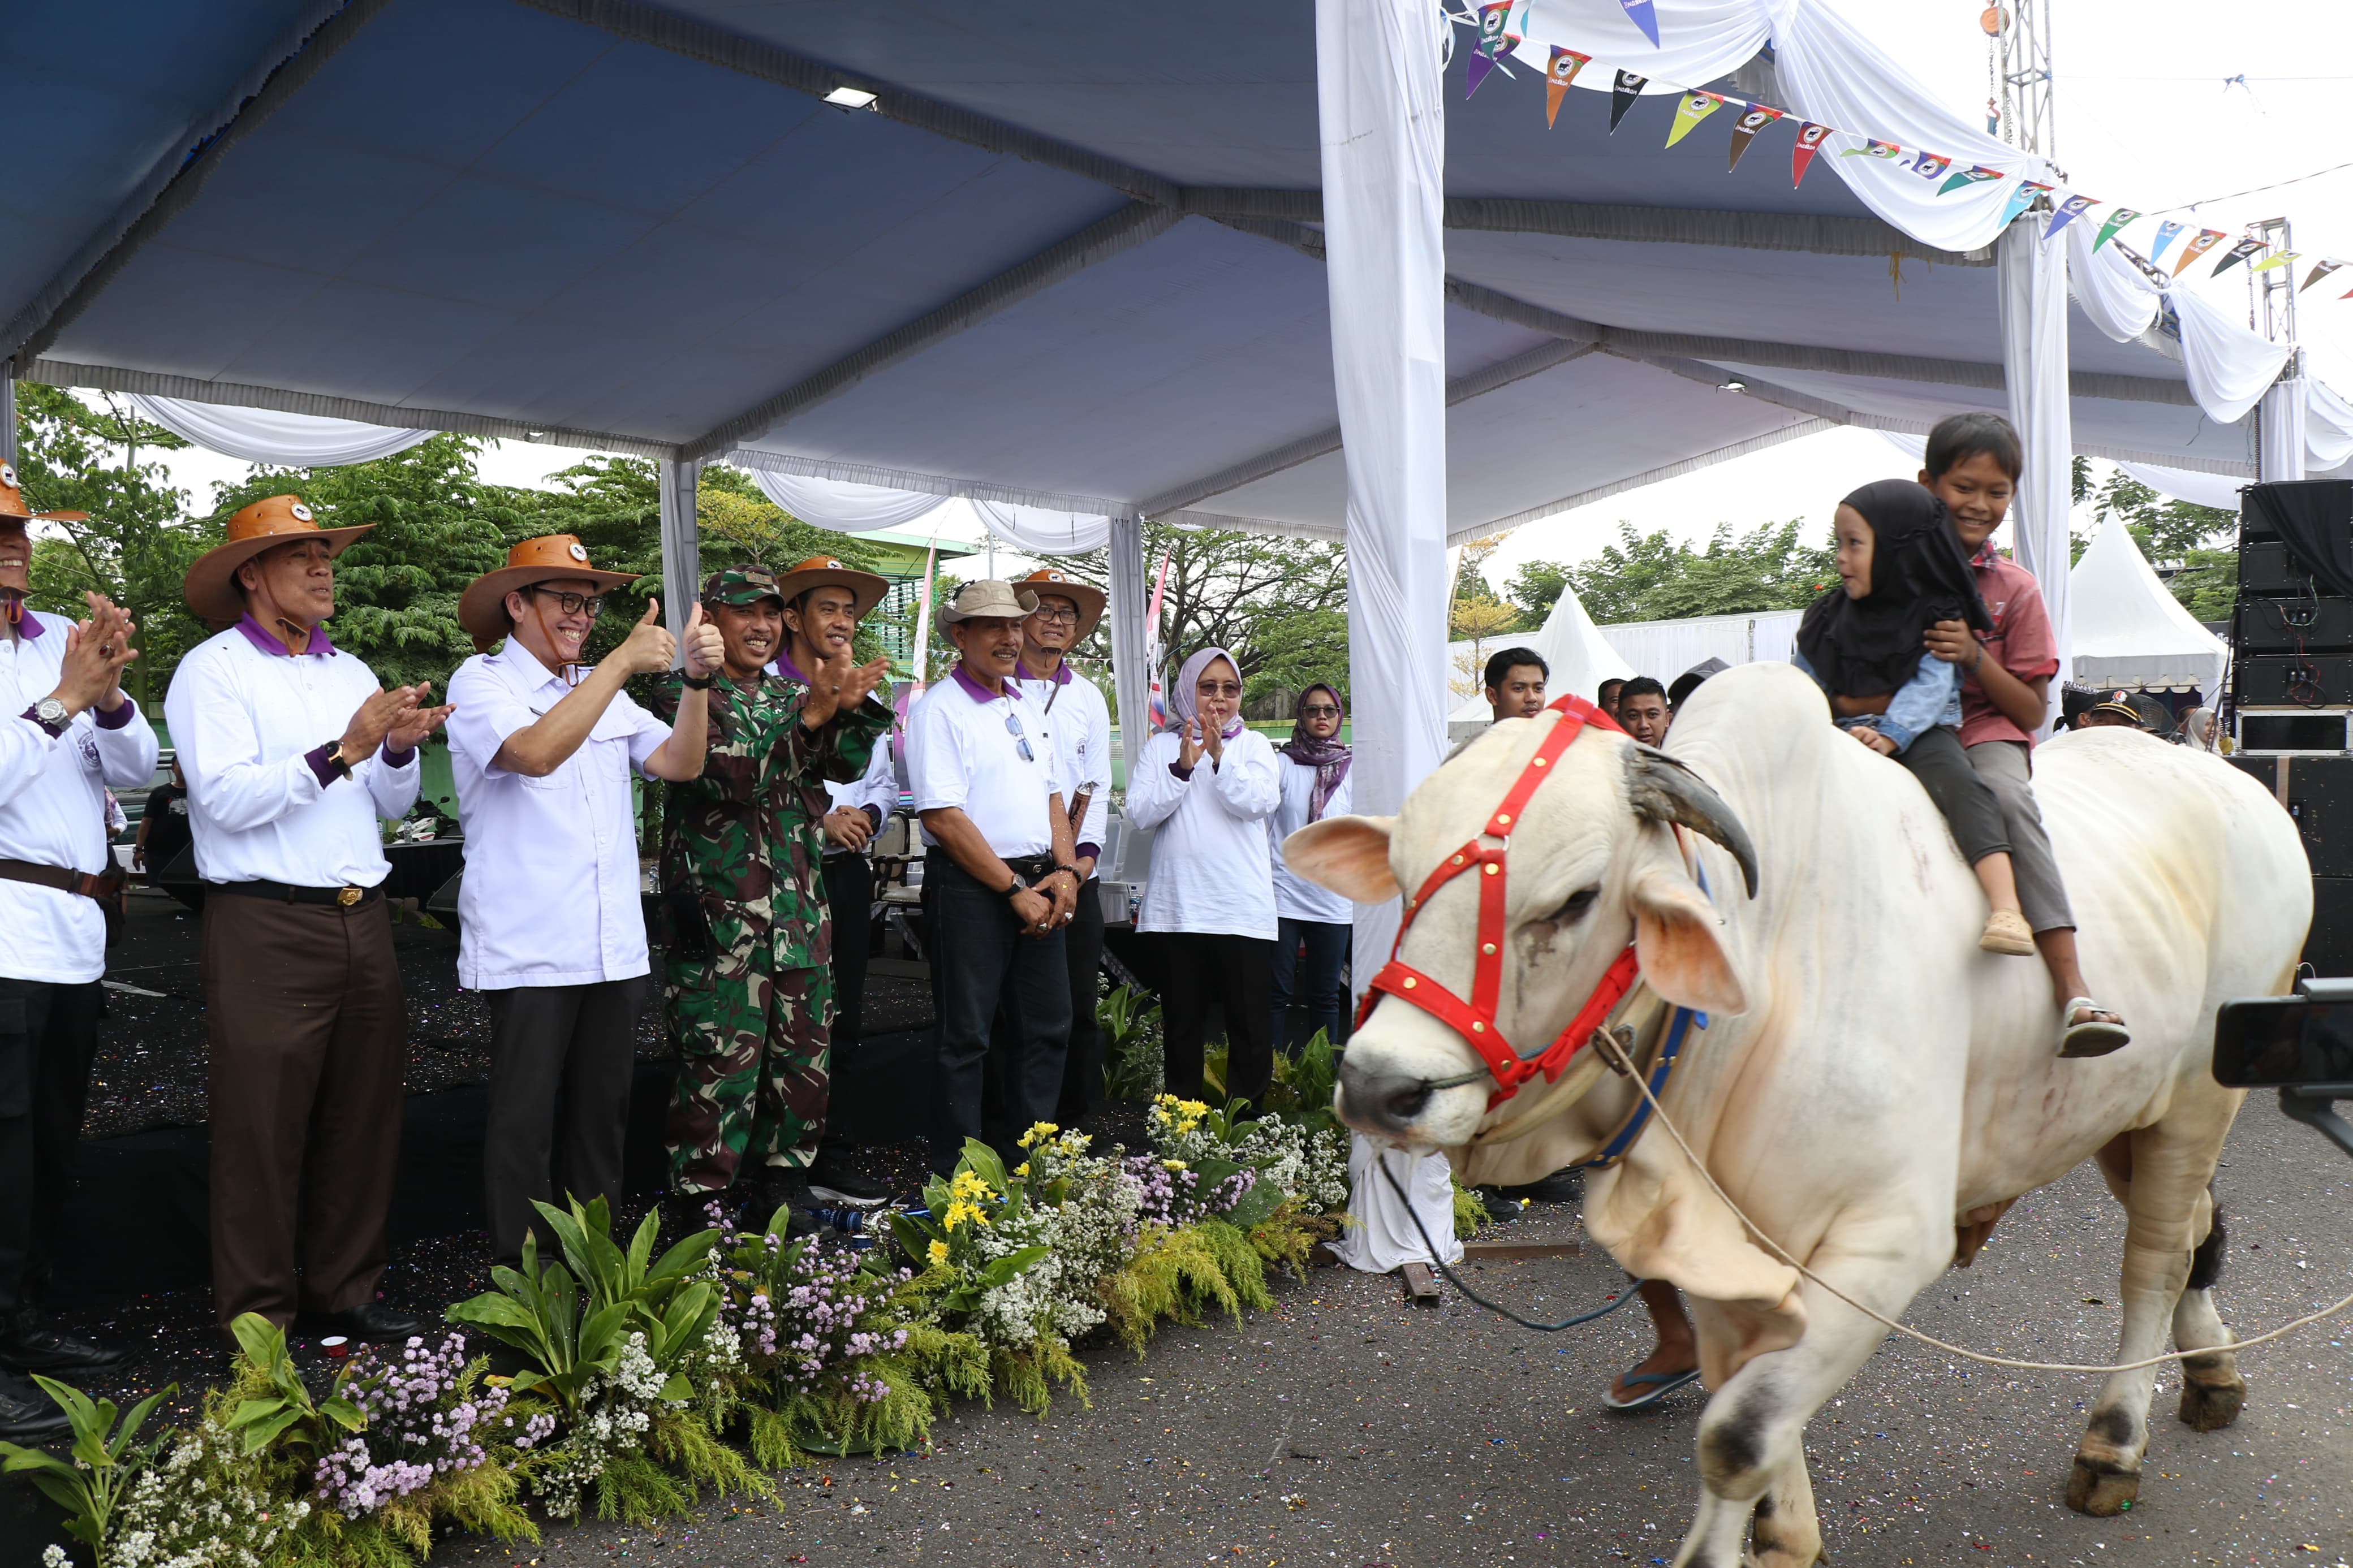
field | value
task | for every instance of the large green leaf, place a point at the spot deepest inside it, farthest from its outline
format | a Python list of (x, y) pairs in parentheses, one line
[(1262, 1200), (1005, 1270)]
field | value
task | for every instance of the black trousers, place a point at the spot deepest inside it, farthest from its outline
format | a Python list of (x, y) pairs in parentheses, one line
[(980, 962), (1236, 971), (1971, 809), (562, 1058), (849, 899), (1083, 945), (49, 1035)]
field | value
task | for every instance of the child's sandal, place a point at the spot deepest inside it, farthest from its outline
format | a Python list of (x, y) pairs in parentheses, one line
[(2093, 1037), (2006, 932)]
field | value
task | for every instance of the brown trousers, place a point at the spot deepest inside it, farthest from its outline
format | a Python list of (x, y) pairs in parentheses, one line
[(307, 1034)]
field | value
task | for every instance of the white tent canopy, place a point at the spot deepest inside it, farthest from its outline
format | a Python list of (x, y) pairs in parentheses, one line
[(1578, 657), (2131, 633)]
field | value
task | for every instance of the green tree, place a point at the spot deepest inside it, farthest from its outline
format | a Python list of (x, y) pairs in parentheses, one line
[(1536, 588), (1653, 577), (1257, 595), (137, 544)]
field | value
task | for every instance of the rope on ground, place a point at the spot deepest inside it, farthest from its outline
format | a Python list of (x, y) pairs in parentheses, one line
[(1381, 1158)]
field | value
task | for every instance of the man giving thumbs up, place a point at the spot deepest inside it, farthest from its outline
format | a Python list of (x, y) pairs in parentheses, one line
[(550, 926)]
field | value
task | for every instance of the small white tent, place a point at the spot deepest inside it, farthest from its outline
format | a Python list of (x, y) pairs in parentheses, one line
[(2130, 633), (1574, 649)]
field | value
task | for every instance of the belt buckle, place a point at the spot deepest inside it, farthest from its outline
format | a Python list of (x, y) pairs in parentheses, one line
[(347, 897)]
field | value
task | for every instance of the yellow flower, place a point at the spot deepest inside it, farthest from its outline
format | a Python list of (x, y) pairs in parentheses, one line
[(1174, 1165), (1039, 1131), (968, 1185), (939, 1252), (1193, 1107), (960, 1211), (1189, 1123), (1022, 1169)]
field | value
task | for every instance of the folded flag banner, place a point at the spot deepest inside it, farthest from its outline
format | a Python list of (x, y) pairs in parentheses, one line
[(2022, 198), (1623, 91), (2319, 271), (1871, 149), (2281, 260), (1809, 142), (1930, 165), (2204, 240), (1757, 118), (1558, 74), (1694, 107), (2118, 217), (2238, 253), (2068, 212), (1493, 17), (1976, 174), (1644, 15), (2168, 231)]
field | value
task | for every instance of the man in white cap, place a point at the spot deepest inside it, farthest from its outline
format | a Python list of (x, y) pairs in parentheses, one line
[(66, 730), (549, 922), (997, 876), (303, 1003)]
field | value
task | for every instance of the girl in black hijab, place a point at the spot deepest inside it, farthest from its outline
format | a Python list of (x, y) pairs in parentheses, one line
[(1865, 642)]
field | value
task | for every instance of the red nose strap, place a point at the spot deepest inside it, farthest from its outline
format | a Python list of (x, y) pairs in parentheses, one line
[(1485, 857)]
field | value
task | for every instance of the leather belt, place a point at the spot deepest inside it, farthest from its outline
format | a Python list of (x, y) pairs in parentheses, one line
[(286, 893), (103, 890)]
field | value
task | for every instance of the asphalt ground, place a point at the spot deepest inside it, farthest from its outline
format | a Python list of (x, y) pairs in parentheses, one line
[(1344, 1427)]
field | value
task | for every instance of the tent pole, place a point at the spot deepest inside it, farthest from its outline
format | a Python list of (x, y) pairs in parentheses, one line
[(681, 561), (2033, 296), (1125, 612), (8, 411), (1383, 132)]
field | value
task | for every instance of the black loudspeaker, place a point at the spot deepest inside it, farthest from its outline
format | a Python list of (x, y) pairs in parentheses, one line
[(2298, 624), (2283, 680), (2267, 568), (2318, 792), (2330, 948)]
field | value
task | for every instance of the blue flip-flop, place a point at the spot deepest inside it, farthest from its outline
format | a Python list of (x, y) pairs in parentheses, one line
[(1661, 1384)]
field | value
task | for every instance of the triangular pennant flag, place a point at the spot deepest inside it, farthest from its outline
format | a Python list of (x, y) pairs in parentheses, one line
[(2068, 212), (2168, 231), (1694, 107), (2281, 260), (1757, 118), (1622, 94), (2320, 270), (1871, 149), (1930, 165), (2238, 253), (2118, 217), (1558, 74), (1976, 174), (1801, 157), (1643, 15), (2204, 240), (1492, 15), (2022, 198)]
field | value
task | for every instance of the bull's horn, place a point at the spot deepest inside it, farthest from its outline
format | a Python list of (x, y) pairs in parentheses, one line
[(1664, 790)]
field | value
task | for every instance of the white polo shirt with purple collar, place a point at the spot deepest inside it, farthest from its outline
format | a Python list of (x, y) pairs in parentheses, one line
[(989, 753)]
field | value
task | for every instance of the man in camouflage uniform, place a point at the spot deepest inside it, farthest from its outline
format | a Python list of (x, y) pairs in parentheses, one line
[(747, 983)]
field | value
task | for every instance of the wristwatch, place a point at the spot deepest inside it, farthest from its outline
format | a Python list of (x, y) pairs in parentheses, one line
[(1020, 885), (700, 682), (52, 715), (335, 757)]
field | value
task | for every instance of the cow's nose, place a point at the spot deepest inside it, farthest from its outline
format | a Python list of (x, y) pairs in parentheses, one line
[(1388, 1102)]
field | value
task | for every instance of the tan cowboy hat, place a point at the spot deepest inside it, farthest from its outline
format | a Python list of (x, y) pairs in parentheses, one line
[(987, 599), (211, 589), (824, 570), (12, 501), (1088, 598), (483, 608)]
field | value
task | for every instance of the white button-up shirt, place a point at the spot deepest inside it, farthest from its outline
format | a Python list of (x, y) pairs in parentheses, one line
[(1211, 868), (1075, 707), (551, 890), (53, 808), (1296, 898), (963, 751), (244, 715), (875, 790)]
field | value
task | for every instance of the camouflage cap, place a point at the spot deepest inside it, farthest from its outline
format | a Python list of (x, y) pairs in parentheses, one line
[(745, 583)]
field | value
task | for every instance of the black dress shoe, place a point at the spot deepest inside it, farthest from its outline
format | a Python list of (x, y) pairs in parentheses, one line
[(28, 1343), (27, 1415), (371, 1321)]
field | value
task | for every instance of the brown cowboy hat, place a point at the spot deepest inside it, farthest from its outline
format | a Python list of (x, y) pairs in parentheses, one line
[(482, 607), (12, 501), (1088, 598), (824, 570), (211, 589)]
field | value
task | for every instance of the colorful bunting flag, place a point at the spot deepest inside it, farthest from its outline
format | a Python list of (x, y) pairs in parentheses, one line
[(2204, 240), (2068, 212), (1645, 15), (1694, 107), (2117, 218), (1566, 63), (1930, 165), (2281, 260), (2168, 231), (1977, 174), (2320, 271), (1801, 157), (1871, 149), (2022, 198), (1757, 118), (1623, 91), (1492, 15), (2238, 253)]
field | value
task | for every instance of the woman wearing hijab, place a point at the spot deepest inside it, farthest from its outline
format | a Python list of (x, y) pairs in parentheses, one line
[(1901, 570), (1312, 768), (1205, 786)]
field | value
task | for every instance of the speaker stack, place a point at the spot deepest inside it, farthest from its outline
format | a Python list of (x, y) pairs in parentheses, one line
[(2292, 683)]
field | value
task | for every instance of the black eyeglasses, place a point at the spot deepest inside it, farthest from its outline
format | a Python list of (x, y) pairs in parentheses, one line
[(1320, 710), (572, 604), (1218, 688), (1057, 618), (1020, 736)]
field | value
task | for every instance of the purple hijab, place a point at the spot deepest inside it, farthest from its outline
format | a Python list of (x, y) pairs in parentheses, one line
[(1185, 703), (1329, 758)]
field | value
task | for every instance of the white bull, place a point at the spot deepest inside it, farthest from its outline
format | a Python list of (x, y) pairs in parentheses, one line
[(1870, 1082)]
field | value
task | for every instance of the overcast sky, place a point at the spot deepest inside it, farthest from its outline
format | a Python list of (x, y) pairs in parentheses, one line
[(2143, 118)]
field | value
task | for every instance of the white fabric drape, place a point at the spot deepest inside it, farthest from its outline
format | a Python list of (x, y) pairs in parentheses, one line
[(1699, 40), (2131, 631), (2280, 430), (2032, 287), (2219, 490), (1124, 612), (1383, 130), (1383, 1236), (843, 506), (681, 550), (2115, 296), (2229, 367), (2327, 430), (266, 436), (1041, 530)]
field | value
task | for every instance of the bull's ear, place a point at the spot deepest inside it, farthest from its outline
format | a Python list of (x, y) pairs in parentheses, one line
[(1349, 855), (1676, 938)]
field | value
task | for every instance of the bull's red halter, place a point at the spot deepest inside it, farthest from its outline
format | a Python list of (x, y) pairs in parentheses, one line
[(1474, 1020)]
